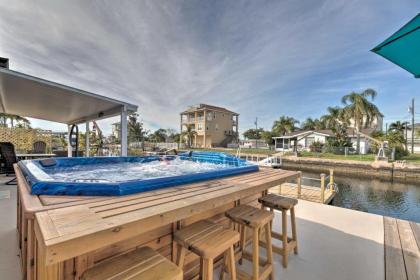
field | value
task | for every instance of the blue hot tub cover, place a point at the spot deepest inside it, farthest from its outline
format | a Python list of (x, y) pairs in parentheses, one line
[(40, 174)]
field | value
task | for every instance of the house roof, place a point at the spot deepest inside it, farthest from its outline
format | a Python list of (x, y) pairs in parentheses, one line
[(28, 96), (304, 133), (351, 132), (205, 107)]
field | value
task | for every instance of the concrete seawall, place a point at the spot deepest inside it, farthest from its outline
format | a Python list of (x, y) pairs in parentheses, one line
[(387, 171)]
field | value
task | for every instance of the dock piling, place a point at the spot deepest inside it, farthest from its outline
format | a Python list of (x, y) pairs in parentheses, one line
[(322, 187)]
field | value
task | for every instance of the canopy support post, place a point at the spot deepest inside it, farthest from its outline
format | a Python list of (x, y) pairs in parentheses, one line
[(124, 132), (69, 148), (87, 142)]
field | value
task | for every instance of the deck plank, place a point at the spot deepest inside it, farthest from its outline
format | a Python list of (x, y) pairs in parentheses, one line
[(308, 193), (410, 250), (416, 231), (394, 259)]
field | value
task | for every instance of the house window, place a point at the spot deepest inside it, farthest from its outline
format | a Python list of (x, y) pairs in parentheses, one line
[(217, 126), (209, 116), (214, 115), (199, 126)]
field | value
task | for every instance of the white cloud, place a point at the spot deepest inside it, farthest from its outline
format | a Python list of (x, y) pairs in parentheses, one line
[(257, 58)]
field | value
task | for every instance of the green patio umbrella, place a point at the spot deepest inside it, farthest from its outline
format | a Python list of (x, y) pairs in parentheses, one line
[(403, 47)]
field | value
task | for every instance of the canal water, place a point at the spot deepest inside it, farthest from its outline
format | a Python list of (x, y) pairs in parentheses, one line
[(394, 199)]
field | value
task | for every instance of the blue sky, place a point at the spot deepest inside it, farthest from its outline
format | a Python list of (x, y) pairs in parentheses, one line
[(259, 58)]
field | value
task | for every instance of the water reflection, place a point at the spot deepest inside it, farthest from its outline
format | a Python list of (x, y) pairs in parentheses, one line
[(396, 199)]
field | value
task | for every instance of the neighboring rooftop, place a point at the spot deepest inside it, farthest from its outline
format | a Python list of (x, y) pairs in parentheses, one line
[(205, 107)]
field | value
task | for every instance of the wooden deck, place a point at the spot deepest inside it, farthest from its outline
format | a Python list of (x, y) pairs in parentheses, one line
[(308, 193), (402, 249)]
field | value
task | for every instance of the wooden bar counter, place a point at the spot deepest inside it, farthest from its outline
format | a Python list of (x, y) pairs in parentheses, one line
[(71, 239)]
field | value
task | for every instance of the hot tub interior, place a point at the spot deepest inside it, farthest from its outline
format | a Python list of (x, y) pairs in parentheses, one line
[(127, 175)]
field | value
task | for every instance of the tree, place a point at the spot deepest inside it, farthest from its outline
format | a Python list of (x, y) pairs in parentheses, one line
[(158, 136), (361, 110), (284, 125), (268, 137), (334, 117), (21, 121), (189, 134), (136, 131), (397, 126), (308, 124), (253, 133)]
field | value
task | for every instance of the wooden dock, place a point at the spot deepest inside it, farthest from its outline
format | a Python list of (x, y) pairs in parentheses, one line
[(402, 249), (307, 192)]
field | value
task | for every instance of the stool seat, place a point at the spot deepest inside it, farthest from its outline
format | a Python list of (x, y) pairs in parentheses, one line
[(250, 216), (206, 239), (283, 204), (142, 263), (277, 202)]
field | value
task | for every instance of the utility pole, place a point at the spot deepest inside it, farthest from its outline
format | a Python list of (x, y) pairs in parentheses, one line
[(405, 127), (386, 129), (256, 133), (411, 111)]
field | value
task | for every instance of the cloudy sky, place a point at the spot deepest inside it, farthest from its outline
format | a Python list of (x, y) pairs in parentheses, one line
[(258, 58)]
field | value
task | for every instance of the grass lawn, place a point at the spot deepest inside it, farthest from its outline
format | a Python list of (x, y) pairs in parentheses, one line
[(412, 158), (368, 157)]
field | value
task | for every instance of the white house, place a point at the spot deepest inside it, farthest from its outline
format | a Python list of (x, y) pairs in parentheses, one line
[(303, 139)]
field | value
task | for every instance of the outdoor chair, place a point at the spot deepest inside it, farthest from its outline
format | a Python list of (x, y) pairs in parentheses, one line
[(8, 158), (39, 147)]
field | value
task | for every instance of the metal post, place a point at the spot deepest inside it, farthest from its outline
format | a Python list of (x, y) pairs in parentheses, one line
[(331, 180), (124, 132), (412, 126), (87, 142), (322, 187), (69, 148)]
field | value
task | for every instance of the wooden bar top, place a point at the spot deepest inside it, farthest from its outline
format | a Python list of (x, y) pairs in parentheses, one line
[(75, 230)]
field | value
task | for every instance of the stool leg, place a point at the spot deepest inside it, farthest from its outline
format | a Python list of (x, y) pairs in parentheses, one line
[(255, 254), (284, 237), (294, 234), (225, 265), (180, 256), (231, 261), (243, 241), (207, 269), (269, 248)]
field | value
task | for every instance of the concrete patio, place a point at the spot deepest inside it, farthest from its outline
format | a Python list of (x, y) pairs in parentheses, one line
[(334, 243)]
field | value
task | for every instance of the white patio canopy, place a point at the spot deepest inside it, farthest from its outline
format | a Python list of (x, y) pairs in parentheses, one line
[(29, 96)]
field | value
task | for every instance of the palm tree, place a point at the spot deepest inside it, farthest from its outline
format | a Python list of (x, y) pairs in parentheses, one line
[(13, 118), (397, 126), (308, 124), (189, 134), (360, 110), (320, 124), (284, 125), (334, 117)]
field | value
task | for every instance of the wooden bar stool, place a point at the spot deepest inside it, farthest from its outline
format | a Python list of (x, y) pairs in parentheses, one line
[(255, 219), (208, 240), (143, 263), (283, 204)]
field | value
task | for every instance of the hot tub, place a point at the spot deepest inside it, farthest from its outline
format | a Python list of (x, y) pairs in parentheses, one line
[(115, 176)]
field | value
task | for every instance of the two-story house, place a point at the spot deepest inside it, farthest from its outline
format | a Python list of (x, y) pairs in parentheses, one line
[(214, 126)]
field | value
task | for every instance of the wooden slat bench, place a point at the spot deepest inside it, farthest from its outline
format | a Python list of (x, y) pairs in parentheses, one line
[(84, 233)]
